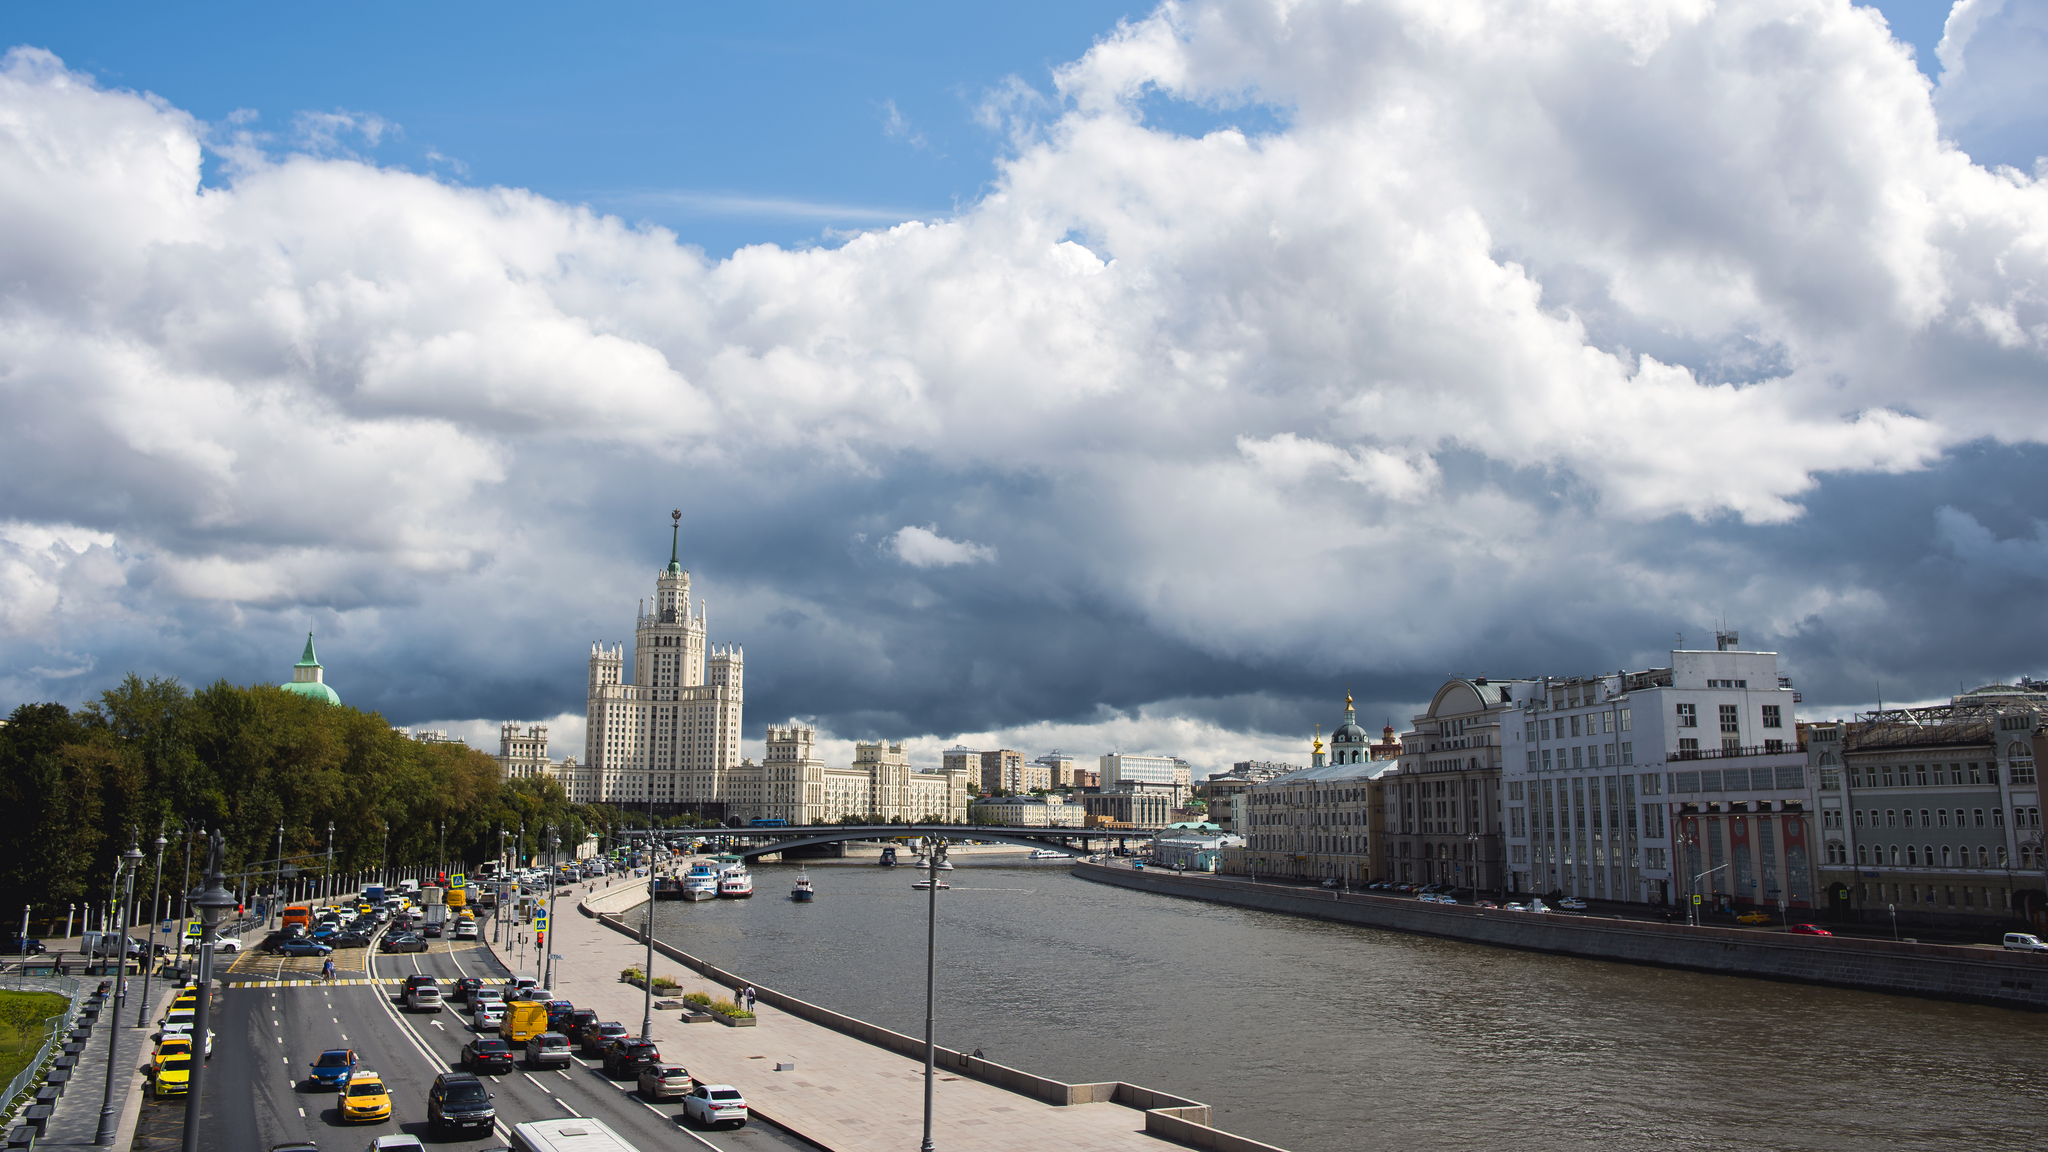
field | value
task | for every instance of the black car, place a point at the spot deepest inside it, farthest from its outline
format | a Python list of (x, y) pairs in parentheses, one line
[(598, 1036), (402, 943), (578, 1019), (487, 1054), (15, 946), (459, 1100), (464, 987), (559, 1012), (626, 1057), (347, 940)]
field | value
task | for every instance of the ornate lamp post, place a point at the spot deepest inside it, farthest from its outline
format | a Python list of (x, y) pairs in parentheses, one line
[(327, 882), (554, 880), (149, 953), (110, 1119), (277, 880), (213, 901)]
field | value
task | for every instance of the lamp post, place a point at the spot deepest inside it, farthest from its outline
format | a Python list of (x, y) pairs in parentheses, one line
[(277, 880), (934, 855), (327, 881), (110, 1119), (554, 881), (441, 845), (149, 952), (498, 921), (647, 1018), (384, 853), (212, 902)]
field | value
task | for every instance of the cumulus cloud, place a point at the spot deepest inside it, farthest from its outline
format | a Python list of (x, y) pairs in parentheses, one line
[(925, 548), (1532, 328)]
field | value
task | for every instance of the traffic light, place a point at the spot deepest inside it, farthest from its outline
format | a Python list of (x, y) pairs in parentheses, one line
[(541, 938)]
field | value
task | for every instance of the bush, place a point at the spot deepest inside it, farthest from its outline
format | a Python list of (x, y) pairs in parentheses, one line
[(665, 983), (697, 999), (632, 976), (725, 1007)]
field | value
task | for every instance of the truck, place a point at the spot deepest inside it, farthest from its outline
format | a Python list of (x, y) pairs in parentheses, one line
[(375, 893), (524, 1019), (437, 915), (409, 887)]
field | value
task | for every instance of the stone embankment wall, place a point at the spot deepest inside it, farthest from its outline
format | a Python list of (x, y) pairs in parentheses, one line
[(1169, 1117), (1983, 975)]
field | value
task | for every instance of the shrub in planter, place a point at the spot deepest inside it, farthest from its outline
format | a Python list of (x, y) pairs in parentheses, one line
[(697, 999), (631, 976), (665, 984), (724, 1007)]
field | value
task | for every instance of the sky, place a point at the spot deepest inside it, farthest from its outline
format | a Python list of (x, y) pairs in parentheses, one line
[(1084, 376)]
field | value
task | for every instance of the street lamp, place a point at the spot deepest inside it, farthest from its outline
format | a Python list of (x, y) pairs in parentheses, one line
[(110, 1119), (212, 903), (277, 879), (647, 1019), (934, 855), (327, 881), (149, 953), (441, 846), (554, 881)]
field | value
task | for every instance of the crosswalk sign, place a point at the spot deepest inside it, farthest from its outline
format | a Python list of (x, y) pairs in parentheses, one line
[(540, 919), (458, 881)]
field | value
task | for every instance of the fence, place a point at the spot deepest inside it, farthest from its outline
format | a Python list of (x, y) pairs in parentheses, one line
[(20, 1090)]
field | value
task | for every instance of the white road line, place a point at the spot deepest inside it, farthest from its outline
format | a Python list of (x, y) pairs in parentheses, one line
[(302, 1113), (562, 1072)]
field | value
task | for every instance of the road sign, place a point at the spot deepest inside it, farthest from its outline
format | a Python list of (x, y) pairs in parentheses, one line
[(556, 956), (458, 881), (1697, 899)]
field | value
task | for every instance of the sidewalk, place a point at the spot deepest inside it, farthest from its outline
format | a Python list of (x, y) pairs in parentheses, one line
[(76, 1121), (843, 1094)]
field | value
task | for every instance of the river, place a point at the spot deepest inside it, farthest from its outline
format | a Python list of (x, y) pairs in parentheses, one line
[(1325, 1037)]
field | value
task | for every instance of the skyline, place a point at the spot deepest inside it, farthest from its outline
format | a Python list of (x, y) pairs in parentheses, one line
[(1173, 375)]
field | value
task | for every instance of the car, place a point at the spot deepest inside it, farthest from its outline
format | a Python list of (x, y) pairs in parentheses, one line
[(487, 1015), (559, 1013), (487, 1054), (459, 1101), (1333, 882), (626, 1056), (464, 987), (350, 939), (1808, 930), (547, 1048), (173, 1077), (660, 1082), (432, 929), (425, 998), (400, 1142), (578, 1020), (332, 1068), (710, 1104), (364, 1097), (1515, 907), (2024, 942), (404, 942), (1754, 918), (16, 946), (1572, 904), (170, 1046), (595, 1038), (301, 948), (417, 980), (325, 929)]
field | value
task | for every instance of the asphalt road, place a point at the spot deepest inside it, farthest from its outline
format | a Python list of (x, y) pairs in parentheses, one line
[(256, 1093)]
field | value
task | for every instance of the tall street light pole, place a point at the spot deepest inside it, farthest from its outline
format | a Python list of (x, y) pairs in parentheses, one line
[(277, 879), (647, 1018), (327, 891), (213, 901), (110, 1118), (441, 830), (149, 952), (934, 855)]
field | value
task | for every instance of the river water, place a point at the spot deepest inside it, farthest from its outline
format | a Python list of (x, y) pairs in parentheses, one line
[(1328, 1038)]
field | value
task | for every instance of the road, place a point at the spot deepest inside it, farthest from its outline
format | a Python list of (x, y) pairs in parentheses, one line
[(256, 1094)]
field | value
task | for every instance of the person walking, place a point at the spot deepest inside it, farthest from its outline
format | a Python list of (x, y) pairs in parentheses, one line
[(327, 970), (749, 994)]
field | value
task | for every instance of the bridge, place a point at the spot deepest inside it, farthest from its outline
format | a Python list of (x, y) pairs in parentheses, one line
[(1072, 840)]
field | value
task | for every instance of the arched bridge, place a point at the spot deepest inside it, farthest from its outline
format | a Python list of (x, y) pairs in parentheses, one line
[(783, 839)]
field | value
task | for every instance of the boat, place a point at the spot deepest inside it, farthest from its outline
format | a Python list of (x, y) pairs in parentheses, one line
[(802, 891), (888, 856), (736, 884), (671, 888), (701, 883), (1050, 854), (923, 885)]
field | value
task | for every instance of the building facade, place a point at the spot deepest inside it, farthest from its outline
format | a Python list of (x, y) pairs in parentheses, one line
[(1048, 811), (1307, 823), (1123, 771), (667, 740), (1934, 813), (1444, 818), (793, 783), (1138, 809)]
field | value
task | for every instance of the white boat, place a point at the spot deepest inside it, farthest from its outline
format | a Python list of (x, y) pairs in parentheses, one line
[(923, 885), (802, 892), (701, 883), (736, 884), (1050, 854)]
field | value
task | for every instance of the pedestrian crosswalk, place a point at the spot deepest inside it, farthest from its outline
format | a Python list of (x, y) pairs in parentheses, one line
[(314, 983)]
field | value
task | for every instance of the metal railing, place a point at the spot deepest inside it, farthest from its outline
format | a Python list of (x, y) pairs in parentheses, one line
[(56, 1029)]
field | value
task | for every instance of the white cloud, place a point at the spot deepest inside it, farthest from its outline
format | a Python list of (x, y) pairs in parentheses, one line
[(925, 548), (1515, 285)]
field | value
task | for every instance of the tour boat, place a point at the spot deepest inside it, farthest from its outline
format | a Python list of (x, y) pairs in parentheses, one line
[(736, 884), (701, 883), (922, 885), (1050, 854), (802, 892), (888, 856)]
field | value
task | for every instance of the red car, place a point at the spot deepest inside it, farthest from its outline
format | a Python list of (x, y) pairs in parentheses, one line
[(1808, 930)]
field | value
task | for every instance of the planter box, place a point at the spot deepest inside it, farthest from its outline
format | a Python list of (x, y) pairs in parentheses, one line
[(691, 1016), (667, 1005), (734, 1021)]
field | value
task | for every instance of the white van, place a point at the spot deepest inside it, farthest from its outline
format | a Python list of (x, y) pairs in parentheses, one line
[(569, 1134), (2024, 942)]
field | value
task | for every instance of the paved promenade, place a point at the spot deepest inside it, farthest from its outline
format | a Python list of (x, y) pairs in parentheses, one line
[(844, 1094)]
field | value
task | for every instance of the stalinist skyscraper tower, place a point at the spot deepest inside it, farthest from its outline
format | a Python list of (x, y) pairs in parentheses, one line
[(667, 740)]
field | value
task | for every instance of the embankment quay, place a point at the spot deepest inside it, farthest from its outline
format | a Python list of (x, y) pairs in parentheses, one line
[(1976, 974), (852, 1086)]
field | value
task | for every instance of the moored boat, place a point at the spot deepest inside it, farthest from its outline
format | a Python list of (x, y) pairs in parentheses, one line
[(736, 884), (922, 885), (701, 883), (1050, 854)]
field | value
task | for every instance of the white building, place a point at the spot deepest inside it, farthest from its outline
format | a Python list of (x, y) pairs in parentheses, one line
[(1048, 811), (793, 783), (667, 740), (1123, 772), (1603, 772)]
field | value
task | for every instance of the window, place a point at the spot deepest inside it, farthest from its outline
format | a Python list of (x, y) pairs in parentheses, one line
[(1529, 731), (1891, 818), (1921, 771), (1835, 853), (1975, 778), (1546, 759), (1955, 773), (1545, 728), (1859, 817), (1652, 783), (1774, 745), (1578, 761), (1688, 717), (1924, 821), (1731, 720), (1514, 790), (1575, 725), (1909, 817), (1862, 855), (2022, 771), (1998, 821), (1895, 855), (1887, 775), (1941, 817), (1688, 744), (1628, 752), (1772, 717), (1624, 722), (1831, 780)]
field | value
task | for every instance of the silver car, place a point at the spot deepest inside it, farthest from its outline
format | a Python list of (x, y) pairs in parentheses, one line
[(547, 1048), (487, 1015)]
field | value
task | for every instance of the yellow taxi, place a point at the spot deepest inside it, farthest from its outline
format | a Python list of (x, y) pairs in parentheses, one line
[(364, 1097), (171, 1046), (173, 1075), (1754, 918)]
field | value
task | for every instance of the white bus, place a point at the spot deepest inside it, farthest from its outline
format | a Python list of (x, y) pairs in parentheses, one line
[(570, 1134)]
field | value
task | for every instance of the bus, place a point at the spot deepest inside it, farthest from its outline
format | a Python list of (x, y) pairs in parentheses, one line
[(769, 822)]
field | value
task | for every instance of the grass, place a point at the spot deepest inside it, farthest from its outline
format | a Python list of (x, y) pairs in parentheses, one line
[(23, 1016)]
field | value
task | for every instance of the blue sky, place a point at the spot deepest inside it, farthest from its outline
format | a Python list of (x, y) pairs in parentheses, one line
[(1513, 348)]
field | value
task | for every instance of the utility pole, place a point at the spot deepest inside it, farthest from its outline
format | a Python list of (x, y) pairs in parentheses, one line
[(110, 1119), (149, 953), (934, 855)]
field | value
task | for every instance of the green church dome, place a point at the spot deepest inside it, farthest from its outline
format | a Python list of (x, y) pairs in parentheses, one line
[(308, 678)]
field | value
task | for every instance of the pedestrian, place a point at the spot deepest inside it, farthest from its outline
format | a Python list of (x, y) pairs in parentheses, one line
[(749, 994)]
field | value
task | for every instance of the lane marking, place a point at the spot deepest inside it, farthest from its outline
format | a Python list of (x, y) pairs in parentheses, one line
[(302, 1113)]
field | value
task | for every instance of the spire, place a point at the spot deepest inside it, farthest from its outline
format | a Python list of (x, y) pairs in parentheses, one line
[(308, 660), (1350, 710), (675, 530)]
